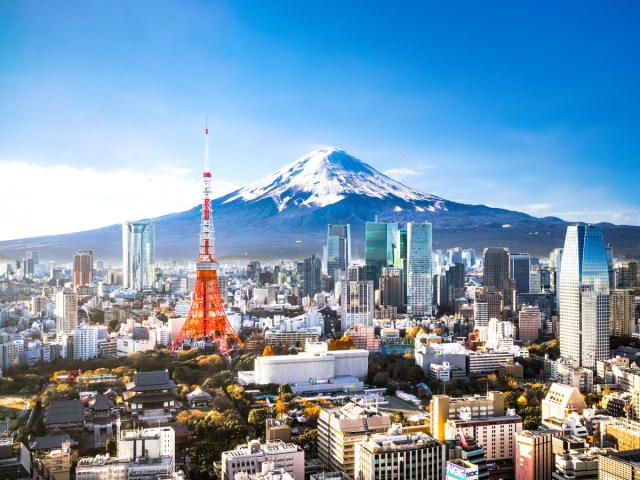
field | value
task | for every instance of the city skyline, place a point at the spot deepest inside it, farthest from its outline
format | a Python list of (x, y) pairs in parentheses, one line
[(524, 106)]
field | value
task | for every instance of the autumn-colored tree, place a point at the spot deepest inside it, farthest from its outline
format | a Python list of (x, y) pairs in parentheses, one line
[(281, 408), (268, 351), (345, 343)]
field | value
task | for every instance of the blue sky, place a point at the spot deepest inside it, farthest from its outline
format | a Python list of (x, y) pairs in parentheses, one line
[(526, 105)]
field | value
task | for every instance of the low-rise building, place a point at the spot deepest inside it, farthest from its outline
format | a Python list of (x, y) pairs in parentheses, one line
[(561, 401), (151, 396), (487, 362), (396, 455), (250, 458), (64, 416), (581, 378), (339, 430)]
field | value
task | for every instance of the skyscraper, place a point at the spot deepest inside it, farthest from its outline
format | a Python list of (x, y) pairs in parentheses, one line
[(623, 321), (392, 287), (555, 262), (378, 248), (584, 297), (520, 268), (356, 301), (312, 276), (419, 269), (82, 268), (400, 259), (338, 248), (497, 272), (66, 312), (138, 255)]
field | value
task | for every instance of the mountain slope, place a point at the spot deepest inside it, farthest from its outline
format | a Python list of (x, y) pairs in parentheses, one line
[(285, 215)]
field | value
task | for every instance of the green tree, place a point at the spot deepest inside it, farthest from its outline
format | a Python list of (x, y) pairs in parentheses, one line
[(284, 389)]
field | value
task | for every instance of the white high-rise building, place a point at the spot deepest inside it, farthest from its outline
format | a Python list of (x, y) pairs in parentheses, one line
[(584, 297), (85, 343), (66, 312), (500, 334), (138, 255), (357, 303), (419, 269)]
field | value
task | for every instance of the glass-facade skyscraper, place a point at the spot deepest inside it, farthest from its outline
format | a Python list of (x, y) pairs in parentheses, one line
[(520, 271), (400, 259), (338, 249), (584, 297), (419, 269), (138, 255), (378, 249)]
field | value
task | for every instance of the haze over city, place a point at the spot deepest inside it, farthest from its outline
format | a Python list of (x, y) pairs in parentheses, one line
[(526, 107)]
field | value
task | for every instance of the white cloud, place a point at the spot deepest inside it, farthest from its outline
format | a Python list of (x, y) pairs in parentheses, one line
[(42, 200), (536, 207), (401, 172)]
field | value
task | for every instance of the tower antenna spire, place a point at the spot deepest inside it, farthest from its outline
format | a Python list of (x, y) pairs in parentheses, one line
[(206, 144)]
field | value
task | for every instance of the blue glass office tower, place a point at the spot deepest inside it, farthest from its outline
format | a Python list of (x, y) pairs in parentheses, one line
[(338, 249), (378, 249), (138, 255), (584, 297)]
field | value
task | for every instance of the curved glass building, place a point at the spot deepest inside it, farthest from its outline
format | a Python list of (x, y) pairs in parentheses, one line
[(584, 297)]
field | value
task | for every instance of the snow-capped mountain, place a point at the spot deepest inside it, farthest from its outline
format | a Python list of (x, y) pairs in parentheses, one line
[(327, 176), (285, 215)]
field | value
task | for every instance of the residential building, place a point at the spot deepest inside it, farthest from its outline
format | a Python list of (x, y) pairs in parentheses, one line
[(85, 343), (357, 303), (581, 378), (66, 312), (82, 268), (623, 309)]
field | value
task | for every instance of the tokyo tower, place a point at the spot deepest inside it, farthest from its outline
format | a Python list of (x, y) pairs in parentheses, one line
[(207, 319)]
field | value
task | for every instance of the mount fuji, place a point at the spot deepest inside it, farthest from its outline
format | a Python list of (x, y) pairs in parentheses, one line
[(285, 215)]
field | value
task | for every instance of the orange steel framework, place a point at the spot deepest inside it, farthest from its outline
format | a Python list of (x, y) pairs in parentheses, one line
[(207, 319)]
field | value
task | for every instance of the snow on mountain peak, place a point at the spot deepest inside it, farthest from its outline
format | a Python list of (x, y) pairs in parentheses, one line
[(324, 177)]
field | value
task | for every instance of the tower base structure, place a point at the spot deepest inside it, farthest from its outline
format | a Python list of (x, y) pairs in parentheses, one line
[(207, 320)]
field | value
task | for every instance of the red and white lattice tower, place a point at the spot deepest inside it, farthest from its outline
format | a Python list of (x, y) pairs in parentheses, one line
[(207, 319)]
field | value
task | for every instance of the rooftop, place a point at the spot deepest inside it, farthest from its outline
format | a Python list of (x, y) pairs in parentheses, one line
[(149, 381)]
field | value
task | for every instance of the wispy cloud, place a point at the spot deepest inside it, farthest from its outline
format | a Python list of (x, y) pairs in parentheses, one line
[(65, 199), (401, 172)]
